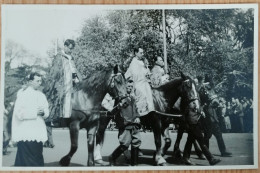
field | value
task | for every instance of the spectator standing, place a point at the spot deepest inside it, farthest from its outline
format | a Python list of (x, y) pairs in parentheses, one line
[(28, 126), (240, 115), (227, 118)]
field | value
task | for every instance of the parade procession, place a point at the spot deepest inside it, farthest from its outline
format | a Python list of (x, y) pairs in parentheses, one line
[(124, 87)]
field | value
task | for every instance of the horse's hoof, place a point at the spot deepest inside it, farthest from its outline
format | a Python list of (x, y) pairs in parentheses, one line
[(162, 164), (99, 162), (159, 161), (201, 157), (187, 162), (65, 161), (177, 154), (91, 163)]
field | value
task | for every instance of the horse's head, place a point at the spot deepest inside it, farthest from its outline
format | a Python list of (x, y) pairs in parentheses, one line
[(117, 85), (189, 95)]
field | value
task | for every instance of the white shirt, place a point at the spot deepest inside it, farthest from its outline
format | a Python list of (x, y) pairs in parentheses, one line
[(108, 102), (26, 124)]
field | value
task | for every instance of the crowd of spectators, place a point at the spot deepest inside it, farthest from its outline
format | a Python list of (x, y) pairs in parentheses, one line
[(237, 115)]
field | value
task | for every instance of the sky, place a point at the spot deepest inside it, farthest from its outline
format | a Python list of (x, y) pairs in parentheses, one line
[(36, 27)]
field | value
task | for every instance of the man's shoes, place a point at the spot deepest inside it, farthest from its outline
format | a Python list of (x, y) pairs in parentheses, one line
[(51, 146), (48, 145), (226, 154), (187, 161), (214, 161)]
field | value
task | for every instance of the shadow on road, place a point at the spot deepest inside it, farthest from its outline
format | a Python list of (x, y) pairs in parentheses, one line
[(56, 164)]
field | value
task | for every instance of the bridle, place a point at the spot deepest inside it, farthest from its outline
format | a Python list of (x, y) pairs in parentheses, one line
[(116, 96), (187, 101)]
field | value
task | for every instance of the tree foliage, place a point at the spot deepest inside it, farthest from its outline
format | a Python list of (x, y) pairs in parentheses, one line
[(199, 42), (217, 42)]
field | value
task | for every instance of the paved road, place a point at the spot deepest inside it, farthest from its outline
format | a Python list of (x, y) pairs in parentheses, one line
[(241, 145)]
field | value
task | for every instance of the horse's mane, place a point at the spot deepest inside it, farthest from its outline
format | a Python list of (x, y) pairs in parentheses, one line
[(172, 84), (97, 82)]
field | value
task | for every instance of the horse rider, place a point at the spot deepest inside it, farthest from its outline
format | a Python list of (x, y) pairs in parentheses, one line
[(64, 77), (159, 77), (140, 73), (71, 76), (212, 120), (130, 133)]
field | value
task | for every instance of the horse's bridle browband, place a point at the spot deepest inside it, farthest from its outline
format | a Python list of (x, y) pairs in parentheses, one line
[(118, 97)]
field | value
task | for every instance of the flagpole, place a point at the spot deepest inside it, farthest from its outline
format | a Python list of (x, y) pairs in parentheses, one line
[(164, 42)]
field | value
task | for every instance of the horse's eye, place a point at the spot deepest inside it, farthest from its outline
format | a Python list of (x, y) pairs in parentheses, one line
[(112, 85)]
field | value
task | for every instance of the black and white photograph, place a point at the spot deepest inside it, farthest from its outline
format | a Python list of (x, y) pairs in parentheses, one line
[(129, 87)]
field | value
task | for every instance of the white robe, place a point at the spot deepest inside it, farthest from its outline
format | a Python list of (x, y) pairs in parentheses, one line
[(26, 124), (142, 89), (69, 68)]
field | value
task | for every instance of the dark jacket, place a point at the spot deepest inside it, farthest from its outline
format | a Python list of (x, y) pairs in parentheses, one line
[(129, 111)]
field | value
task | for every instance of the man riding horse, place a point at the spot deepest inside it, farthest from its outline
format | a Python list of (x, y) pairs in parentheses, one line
[(140, 73), (65, 75)]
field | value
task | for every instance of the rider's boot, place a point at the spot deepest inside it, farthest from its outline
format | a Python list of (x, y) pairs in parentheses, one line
[(134, 156), (117, 152), (212, 160)]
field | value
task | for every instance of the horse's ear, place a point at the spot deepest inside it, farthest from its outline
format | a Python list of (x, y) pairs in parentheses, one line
[(116, 69), (183, 76)]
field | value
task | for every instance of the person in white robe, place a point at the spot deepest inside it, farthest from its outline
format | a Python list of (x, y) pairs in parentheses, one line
[(140, 74), (28, 126)]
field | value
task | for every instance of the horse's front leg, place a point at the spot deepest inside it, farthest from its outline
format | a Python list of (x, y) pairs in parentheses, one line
[(91, 134), (176, 149), (166, 136), (104, 120), (74, 134), (157, 128)]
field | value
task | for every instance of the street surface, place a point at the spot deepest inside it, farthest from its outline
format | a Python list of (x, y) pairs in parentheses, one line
[(240, 144)]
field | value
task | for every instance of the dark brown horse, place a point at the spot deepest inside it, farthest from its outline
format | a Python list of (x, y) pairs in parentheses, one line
[(86, 108), (190, 100), (157, 121)]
